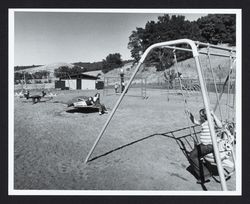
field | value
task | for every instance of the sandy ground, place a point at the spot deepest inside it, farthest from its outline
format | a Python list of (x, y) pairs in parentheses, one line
[(50, 145)]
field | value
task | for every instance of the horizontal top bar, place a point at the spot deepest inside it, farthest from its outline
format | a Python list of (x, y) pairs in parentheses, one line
[(215, 46), (200, 52), (191, 43)]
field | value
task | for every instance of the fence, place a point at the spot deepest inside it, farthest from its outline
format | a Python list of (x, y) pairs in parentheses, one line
[(192, 84)]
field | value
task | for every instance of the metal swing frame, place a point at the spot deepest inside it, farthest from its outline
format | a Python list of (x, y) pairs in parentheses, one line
[(194, 49)]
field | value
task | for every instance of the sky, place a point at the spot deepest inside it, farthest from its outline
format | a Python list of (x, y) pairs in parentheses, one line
[(50, 37)]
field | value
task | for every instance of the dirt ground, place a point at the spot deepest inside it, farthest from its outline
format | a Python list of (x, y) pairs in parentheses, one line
[(50, 144)]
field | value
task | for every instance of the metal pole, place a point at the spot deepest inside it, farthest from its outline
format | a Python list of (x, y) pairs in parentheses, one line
[(142, 88), (223, 88), (104, 86), (215, 84), (215, 46), (200, 52), (211, 125), (228, 89), (182, 93), (113, 112), (204, 94)]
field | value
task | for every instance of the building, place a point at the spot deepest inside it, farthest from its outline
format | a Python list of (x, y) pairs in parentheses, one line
[(77, 81)]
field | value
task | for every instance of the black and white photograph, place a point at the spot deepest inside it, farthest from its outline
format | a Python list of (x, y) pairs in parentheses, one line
[(124, 102)]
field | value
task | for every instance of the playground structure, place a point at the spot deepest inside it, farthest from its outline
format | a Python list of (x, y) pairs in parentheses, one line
[(35, 98), (90, 104), (115, 85), (30, 82), (194, 49)]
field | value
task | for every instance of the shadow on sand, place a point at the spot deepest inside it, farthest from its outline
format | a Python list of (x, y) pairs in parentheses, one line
[(187, 143), (83, 110)]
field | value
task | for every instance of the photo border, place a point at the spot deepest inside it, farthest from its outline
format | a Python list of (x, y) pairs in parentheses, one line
[(120, 199)]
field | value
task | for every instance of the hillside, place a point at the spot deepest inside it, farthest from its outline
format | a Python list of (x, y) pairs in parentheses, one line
[(49, 68), (187, 67)]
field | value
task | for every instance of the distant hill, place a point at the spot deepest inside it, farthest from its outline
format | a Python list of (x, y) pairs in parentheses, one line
[(88, 67), (187, 67), (21, 68), (48, 67)]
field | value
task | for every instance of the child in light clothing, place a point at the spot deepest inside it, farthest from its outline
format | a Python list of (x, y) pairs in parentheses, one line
[(102, 109), (206, 139)]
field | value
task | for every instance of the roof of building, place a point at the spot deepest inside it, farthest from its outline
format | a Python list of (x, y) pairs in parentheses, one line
[(79, 76)]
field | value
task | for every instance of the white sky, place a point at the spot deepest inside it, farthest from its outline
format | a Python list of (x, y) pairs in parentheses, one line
[(50, 37)]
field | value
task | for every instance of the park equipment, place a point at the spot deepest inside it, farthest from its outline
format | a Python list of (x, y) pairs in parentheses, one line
[(193, 48), (39, 80), (140, 87), (35, 98), (225, 137), (89, 104), (117, 85)]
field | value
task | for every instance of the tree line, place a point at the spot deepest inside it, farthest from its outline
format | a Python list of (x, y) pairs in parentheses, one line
[(26, 77), (112, 61), (213, 28)]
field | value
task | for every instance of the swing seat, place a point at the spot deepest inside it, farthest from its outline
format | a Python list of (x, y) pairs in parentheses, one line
[(202, 160), (226, 162)]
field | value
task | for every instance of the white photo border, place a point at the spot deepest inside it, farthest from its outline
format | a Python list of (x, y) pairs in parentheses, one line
[(237, 192)]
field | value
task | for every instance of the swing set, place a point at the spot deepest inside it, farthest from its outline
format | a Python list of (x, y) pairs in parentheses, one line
[(194, 48)]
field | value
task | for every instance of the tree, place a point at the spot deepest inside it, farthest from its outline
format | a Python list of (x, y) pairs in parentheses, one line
[(218, 28), (67, 71), (213, 28), (61, 71), (112, 61), (135, 44), (166, 28), (87, 66), (41, 74), (77, 70)]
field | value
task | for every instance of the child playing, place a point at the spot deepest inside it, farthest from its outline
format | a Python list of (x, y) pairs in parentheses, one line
[(96, 100), (91, 101), (116, 87), (206, 140), (205, 136), (82, 103)]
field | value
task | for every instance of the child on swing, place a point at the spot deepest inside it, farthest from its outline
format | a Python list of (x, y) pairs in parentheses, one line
[(205, 136), (206, 140)]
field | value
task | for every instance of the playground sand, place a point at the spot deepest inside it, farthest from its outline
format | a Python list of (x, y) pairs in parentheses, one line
[(50, 145)]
